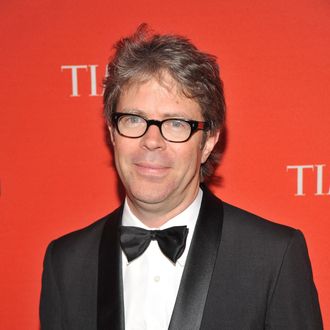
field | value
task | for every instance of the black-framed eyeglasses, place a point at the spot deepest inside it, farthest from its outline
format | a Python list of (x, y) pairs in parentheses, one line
[(172, 129)]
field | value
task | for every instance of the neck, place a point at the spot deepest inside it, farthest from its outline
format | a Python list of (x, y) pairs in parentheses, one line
[(155, 215)]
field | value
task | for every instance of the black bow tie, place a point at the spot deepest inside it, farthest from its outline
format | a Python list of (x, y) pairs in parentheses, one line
[(171, 241)]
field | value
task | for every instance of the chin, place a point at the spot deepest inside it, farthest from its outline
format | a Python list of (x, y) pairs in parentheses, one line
[(151, 194)]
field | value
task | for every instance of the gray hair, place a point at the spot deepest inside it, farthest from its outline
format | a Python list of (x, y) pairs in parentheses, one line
[(144, 55)]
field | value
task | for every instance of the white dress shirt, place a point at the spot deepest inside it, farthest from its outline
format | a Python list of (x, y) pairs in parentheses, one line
[(151, 281)]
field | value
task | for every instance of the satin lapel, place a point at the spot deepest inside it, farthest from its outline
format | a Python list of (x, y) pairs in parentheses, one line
[(190, 302), (110, 304)]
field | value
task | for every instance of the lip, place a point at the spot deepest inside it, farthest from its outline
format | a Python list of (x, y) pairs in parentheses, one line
[(151, 169)]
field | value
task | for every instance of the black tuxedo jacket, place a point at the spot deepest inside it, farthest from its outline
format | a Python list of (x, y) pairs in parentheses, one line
[(242, 273)]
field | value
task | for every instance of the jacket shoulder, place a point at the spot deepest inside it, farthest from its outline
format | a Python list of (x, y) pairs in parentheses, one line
[(245, 227), (79, 242), (253, 226), (258, 241)]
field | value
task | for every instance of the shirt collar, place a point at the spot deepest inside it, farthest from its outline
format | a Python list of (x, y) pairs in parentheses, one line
[(187, 217)]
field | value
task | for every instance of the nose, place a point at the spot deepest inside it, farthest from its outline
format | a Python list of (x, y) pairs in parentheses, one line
[(153, 139)]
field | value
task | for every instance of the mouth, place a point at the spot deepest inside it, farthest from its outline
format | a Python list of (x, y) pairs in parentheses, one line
[(151, 169)]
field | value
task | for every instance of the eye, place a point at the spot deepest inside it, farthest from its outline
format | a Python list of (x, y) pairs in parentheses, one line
[(177, 124), (132, 120)]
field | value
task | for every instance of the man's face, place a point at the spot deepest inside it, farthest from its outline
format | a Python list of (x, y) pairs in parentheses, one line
[(159, 176)]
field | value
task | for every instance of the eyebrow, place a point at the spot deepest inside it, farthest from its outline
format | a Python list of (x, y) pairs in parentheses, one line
[(165, 115), (133, 111)]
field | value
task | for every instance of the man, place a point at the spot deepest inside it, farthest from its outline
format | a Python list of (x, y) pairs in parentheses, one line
[(174, 256)]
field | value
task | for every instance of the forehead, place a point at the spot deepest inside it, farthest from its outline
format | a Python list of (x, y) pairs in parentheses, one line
[(157, 95)]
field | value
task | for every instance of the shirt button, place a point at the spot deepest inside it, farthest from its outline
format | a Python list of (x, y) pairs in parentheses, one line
[(157, 278)]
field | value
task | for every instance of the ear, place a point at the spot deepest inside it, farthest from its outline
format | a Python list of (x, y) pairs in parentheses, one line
[(112, 134), (211, 141)]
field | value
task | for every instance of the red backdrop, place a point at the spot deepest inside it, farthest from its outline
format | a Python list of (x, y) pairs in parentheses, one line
[(56, 173)]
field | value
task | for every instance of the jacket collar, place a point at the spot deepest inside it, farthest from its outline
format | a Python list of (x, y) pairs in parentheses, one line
[(196, 277), (110, 303)]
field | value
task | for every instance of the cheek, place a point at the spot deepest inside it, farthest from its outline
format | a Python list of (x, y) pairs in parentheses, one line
[(121, 154), (189, 158)]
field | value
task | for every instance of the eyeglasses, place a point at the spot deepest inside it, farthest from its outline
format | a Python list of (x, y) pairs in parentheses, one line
[(171, 129)]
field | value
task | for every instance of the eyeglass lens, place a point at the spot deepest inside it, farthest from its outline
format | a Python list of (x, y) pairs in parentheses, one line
[(171, 129)]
